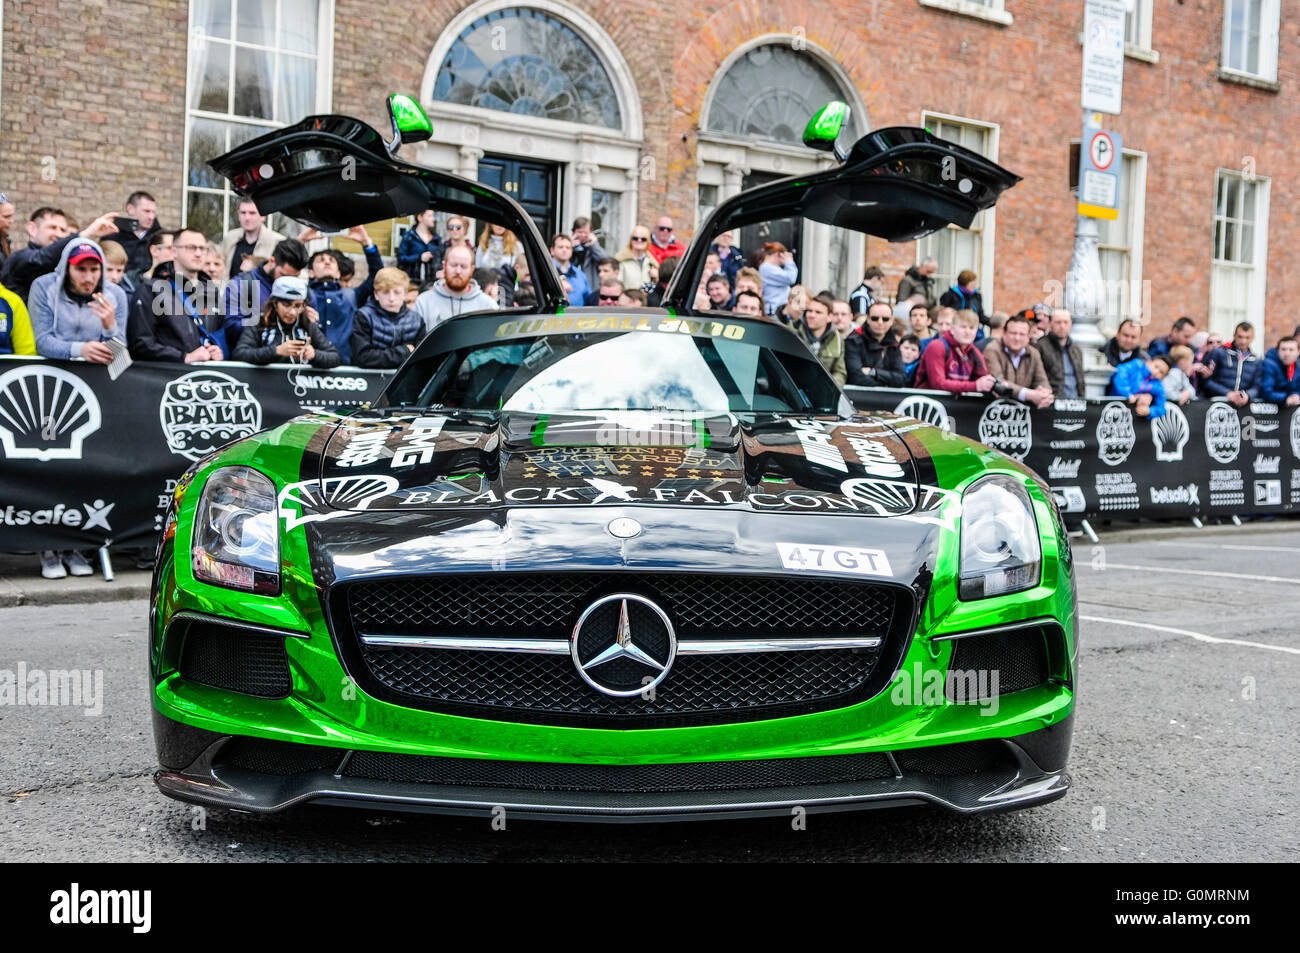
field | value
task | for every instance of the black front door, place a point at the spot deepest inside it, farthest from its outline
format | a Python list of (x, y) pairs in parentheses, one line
[(534, 185)]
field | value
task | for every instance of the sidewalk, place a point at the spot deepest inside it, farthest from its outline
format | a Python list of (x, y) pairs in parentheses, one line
[(21, 583)]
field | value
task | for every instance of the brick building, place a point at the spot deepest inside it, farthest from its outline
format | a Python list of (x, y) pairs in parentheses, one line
[(629, 110)]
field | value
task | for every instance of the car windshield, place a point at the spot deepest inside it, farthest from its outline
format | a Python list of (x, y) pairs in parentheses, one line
[(551, 373)]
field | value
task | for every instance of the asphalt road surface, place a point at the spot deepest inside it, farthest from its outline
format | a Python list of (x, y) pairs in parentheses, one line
[(1184, 747)]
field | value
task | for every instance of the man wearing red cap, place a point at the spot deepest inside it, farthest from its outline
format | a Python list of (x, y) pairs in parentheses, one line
[(73, 310)]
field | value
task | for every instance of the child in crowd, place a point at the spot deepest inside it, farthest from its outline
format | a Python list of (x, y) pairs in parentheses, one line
[(909, 349), (386, 329)]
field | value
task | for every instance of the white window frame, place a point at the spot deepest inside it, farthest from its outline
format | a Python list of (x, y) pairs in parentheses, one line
[(1140, 17), (324, 92), (1136, 228), (988, 233), (992, 11), (1255, 308), (1269, 18)]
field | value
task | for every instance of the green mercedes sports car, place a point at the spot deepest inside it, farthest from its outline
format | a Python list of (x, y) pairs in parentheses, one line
[(612, 563)]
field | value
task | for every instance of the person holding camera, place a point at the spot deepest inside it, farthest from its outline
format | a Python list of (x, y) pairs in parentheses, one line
[(1018, 367), (285, 335), (135, 227)]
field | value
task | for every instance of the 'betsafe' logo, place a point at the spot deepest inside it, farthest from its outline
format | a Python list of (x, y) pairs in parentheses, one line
[(45, 413), (1115, 433), (205, 409), (1005, 425), (1222, 432)]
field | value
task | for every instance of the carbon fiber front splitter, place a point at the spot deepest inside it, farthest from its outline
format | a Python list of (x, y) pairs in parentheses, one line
[(1020, 781)]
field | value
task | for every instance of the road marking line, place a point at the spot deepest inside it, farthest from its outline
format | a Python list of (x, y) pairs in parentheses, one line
[(1260, 549), (1200, 572), (1199, 636)]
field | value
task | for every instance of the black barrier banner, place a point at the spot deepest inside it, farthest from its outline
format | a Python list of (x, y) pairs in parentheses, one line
[(1205, 458), (85, 460)]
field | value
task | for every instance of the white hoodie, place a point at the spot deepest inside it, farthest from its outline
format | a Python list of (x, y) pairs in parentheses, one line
[(438, 304)]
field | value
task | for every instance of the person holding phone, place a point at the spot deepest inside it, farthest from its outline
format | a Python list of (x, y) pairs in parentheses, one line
[(74, 311), (285, 335), (138, 222)]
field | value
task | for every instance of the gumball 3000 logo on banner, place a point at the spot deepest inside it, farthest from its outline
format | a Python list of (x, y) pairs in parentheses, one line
[(205, 409), (1005, 425), (1115, 434), (1222, 432)]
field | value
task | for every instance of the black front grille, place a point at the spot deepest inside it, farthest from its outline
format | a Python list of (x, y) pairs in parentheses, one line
[(548, 604), (1018, 657), (619, 779), (731, 684), (699, 689), (235, 659), (278, 757)]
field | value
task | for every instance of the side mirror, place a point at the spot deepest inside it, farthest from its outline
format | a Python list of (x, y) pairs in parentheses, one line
[(410, 124), (824, 127)]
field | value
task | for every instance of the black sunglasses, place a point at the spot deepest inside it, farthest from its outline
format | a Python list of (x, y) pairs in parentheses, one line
[(609, 297)]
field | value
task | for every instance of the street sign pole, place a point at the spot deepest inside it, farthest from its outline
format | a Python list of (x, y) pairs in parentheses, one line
[(1102, 85)]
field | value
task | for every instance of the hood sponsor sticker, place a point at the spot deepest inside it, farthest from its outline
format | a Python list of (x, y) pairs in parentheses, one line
[(817, 445), (339, 494)]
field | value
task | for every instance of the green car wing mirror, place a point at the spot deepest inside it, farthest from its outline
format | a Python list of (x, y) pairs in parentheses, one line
[(823, 129), (410, 123)]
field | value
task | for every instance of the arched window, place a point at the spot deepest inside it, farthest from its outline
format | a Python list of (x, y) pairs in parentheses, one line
[(770, 92), (525, 61)]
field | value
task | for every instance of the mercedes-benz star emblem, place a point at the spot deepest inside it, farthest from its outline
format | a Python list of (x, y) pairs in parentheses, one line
[(623, 645)]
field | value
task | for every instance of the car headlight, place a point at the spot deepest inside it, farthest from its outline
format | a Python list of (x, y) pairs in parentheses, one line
[(1000, 549), (236, 540)]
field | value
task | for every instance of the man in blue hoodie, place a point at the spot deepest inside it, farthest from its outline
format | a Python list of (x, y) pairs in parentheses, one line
[(335, 305), (1234, 371), (562, 255)]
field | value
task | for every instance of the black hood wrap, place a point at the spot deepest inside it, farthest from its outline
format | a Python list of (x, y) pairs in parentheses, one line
[(384, 493)]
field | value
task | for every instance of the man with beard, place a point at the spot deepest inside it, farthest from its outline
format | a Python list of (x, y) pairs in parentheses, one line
[(456, 292), (168, 311), (871, 352), (48, 235), (74, 311)]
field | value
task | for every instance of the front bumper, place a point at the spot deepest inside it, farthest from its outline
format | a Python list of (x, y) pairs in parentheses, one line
[(247, 774)]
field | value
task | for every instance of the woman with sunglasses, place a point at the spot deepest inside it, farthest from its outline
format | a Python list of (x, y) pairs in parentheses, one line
[(285, 335), (458, 234), (637, 268)]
